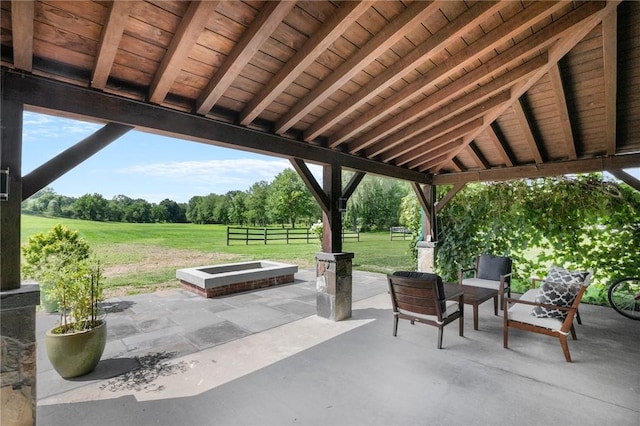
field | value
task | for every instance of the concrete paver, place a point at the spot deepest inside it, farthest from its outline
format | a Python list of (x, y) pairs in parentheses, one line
[(250, 367)]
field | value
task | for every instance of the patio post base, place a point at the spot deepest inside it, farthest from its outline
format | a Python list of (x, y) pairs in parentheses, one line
[(333, 285)]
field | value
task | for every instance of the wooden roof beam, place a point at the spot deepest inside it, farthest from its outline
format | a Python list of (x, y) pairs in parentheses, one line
[(410, 149), (191, 26), (439, 146), (578, 24), (346, 14), (525, 125), (109, 42), (536, 12), (22, 13), (533, 171), (439, 150), (563, 111), (405, 65), (390, 35), (610, 54), (475, 153), (251, 40), (480, 94), (499, 145)]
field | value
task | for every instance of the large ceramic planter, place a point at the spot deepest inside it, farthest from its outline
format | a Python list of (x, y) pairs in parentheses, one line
[(76, 354), (48, 301)]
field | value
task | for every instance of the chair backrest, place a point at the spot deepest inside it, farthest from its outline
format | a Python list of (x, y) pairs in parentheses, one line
[(417, 292), (490, 267)]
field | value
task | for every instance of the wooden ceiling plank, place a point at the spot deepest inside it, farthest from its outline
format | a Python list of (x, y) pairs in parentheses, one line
[(258, 32), (22, 14), (432, 148), (435, 161), (334, 27), (479, 95), (610, 54), (191, 26), (499, 145), (439, 150), (390, 35), (406, 64), (533, 171), (582, 21), (525, 126), (563, 111), (528, 17), (413, 145), (109, 41)]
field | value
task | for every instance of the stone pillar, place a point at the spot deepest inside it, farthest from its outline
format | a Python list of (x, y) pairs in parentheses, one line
[(18, 355), (427, 256), (333, 285)]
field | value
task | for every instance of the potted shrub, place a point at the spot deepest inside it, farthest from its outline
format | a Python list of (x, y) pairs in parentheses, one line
[(37, 255), (74, 280)]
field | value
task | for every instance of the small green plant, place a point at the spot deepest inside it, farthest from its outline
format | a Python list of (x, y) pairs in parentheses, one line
[(72, 277)]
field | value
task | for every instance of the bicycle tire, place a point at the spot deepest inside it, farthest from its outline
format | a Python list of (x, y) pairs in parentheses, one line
[(624, 297)]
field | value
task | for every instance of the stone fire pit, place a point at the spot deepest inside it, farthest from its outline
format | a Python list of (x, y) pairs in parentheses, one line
[(220, 280)]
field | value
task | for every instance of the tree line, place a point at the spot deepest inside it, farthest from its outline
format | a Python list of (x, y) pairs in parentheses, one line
[(375, 205)]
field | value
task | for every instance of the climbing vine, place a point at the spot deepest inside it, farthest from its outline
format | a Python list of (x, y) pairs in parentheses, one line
[(579, 222)]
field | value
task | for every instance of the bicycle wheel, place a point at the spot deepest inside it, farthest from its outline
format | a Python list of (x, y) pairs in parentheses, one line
[(624, 297)]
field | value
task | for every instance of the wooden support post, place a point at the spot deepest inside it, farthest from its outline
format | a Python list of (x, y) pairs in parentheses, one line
[(11, 159), (332, 219)]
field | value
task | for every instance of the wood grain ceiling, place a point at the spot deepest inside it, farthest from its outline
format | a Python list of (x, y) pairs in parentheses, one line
[(457, 90)]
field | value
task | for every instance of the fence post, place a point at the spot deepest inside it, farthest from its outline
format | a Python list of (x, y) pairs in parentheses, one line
[(246, 236), (265, 236)]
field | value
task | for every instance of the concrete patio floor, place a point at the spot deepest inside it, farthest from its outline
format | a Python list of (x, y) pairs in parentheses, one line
[(265, 358)]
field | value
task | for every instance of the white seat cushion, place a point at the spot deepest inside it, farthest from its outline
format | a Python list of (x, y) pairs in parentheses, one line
[(522, 313), (451, 307), (479, 282)]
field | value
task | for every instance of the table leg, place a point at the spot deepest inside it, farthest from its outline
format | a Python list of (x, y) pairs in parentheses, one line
[(475, 316), (495, 305)]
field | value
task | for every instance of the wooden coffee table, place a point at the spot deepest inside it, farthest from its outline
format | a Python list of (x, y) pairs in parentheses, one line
[(475, 296)]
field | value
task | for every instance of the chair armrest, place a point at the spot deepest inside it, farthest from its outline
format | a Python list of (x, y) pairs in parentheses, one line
[(462, 271), (534, 280)]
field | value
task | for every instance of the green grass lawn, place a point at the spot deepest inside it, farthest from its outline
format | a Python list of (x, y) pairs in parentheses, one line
[(143, 257)]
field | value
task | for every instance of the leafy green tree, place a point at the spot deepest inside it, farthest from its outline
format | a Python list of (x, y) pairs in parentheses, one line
[(237, 207), (139, 211), (289, 198), (90, 207), (375, 204), (173, 212), (257, 204)]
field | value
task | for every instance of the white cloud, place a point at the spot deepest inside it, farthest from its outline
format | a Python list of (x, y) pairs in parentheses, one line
[(40, 127), (242, 172)]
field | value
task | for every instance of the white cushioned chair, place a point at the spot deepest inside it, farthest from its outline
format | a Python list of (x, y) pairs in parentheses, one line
[(490, 271), (549, 309)]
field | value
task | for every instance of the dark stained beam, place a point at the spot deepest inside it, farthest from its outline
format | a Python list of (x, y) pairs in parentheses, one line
[(192, 24), (561, 104), (11, 159), (626, 178), (70, 158), (109, 42), (332, 219), (311, 183), (252, 39), (475, 153), (525, 126), (22, 12), (499, 145), (532, 171), (352, 185), (60, 98), (346, 14), (426, 199), (449, 196), (385, 39)]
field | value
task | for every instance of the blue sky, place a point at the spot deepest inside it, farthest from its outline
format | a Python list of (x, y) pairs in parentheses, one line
[(143, 165), (147, 166)]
